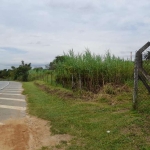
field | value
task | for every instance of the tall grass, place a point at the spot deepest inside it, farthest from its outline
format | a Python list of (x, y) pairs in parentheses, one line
[(90, 71), (40, 74)]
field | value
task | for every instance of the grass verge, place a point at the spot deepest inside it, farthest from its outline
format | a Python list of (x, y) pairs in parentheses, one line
[(96, 125)]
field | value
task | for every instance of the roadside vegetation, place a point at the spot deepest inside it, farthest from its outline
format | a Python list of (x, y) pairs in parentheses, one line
[(89, 97), (84, 71), (90, 72), (16, 73), (105, 121), (40, 74)]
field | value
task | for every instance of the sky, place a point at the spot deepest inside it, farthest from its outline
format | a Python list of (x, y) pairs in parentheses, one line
[(36, 31)]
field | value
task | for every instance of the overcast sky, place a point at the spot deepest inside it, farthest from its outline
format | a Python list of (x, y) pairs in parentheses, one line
[(38, 30)]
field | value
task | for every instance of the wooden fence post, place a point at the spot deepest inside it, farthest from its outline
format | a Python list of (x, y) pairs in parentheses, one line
[(138, 67), (80, 82), (135, 90), (72, 82)]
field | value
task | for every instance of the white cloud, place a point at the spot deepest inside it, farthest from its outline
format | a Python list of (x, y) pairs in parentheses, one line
[(47, 28)]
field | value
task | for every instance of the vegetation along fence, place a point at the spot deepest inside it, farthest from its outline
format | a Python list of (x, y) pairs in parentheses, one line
[(41, 74), (141, 97), (90, 72)]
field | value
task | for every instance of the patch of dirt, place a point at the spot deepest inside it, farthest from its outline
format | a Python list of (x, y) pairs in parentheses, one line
[(84, 95), (121, 111), (109, 93), (29, 133), (58, 92), (132, 130)]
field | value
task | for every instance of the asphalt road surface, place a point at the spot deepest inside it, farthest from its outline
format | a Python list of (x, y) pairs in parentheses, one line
[(12, 102), (3, 84)]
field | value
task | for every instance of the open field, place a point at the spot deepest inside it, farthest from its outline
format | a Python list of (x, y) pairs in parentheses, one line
[(104, 122)]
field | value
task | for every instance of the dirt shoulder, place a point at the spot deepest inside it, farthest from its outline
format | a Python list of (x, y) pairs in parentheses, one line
[(29, 133)]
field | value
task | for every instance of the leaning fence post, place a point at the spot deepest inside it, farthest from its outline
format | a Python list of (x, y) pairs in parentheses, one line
[(135, 90)]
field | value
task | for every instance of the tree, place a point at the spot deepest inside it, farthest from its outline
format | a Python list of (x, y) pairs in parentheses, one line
[(4, 74), (38, 69), (52, 65), (21, 73)]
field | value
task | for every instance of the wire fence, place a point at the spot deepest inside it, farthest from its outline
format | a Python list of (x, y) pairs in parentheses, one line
[(141, 96)]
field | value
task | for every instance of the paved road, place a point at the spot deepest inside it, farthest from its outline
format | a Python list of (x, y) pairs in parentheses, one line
[(3, 84), (12, 102)]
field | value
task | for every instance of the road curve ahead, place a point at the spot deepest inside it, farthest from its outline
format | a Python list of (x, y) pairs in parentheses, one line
[(3, 84), (12, 102)]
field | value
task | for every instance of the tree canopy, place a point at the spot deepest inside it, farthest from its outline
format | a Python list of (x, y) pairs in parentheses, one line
[(52, 65), (16, 73)]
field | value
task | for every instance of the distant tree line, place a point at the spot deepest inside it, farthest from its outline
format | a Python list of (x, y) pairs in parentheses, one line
[(16, 73), (21, 73)]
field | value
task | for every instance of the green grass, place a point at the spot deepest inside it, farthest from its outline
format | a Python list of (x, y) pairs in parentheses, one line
[(89, 121)]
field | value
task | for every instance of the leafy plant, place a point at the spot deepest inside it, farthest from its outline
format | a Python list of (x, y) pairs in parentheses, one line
[(90, 71), (21, 73)]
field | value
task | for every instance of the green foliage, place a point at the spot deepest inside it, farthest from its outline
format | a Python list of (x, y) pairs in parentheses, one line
[(40, 74), (52, 65), (16, 73), (92, 71), (109, 89), (21, 73), (5, 74), (89, 121)]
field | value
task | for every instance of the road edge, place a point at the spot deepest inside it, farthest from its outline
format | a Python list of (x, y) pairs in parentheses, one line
[(4, 86)]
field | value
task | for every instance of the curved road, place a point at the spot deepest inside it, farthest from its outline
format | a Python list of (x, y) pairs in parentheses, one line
[(3, 84), (12, 102)]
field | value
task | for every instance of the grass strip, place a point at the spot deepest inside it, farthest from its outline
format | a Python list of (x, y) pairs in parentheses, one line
[(95, 125)]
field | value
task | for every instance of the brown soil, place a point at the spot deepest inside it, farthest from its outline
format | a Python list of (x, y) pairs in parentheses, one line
[(29, 133), (67, 94), (58, 92)]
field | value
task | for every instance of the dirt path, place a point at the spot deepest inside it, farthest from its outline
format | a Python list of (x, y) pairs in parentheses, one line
[(29, 133), (22, 132)]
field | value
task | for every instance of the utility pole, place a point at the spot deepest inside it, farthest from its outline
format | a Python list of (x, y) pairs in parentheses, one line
[(131, 56)]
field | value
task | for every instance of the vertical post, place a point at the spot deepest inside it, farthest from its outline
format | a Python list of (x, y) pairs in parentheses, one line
[(51, 77), (138, 66), (79, 82), (47, 77), (135, 90), (72, 82), (131, 56)]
